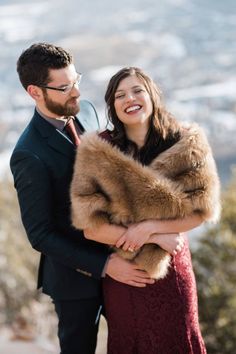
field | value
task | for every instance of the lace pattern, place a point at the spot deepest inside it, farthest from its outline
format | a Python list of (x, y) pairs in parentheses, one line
[(159, 319)]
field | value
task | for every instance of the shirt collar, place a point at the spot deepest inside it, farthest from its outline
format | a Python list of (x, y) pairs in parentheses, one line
[(59, 123)]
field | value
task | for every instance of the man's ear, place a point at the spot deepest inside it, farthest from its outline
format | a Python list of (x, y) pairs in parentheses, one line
[(35, 92)]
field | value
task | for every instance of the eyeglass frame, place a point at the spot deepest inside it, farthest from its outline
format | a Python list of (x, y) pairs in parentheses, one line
[(66, 89)]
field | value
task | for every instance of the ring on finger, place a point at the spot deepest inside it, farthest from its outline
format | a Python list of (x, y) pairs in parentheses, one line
[(130, 249), (178, 248)]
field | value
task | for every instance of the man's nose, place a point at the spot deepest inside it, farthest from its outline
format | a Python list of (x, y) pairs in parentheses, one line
[(75, 91)]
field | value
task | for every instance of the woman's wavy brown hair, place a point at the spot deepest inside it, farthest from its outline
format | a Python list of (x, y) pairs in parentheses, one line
[(164, 130)]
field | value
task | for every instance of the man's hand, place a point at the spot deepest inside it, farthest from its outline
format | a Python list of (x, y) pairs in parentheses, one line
[(127, 272)]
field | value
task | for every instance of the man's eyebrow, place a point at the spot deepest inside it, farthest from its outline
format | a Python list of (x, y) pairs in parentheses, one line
[(77, 77)]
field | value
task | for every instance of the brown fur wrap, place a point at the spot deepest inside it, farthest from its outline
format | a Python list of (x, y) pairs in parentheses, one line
[(111, 187)]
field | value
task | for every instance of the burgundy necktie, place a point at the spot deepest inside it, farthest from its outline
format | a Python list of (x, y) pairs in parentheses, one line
[(70, 129)]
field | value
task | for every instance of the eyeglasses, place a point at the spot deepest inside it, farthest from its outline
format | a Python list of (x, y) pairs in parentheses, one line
[(66, 89)]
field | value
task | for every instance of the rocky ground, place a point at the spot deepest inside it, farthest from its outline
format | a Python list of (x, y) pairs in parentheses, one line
[(41, 345)]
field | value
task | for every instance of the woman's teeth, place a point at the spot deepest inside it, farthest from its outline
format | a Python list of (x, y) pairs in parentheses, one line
[(133, 108)]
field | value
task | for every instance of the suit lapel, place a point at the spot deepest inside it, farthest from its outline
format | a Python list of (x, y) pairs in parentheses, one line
[(59, 142), (55, 139)]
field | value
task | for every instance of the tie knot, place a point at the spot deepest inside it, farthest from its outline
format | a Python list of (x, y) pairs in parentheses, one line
[(71, 130)]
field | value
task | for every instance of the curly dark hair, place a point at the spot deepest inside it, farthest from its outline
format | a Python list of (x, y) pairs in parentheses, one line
[(34, 63), (164, 129)]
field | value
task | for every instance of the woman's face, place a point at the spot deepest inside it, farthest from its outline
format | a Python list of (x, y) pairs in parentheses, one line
[(132, 103)]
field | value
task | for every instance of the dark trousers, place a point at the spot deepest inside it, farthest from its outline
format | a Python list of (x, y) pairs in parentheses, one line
[(78, 325)]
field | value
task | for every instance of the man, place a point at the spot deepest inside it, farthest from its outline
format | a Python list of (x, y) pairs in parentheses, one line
[(71, 266)]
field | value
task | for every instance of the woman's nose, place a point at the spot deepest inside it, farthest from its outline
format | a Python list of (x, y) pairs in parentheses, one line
[(130, 96)]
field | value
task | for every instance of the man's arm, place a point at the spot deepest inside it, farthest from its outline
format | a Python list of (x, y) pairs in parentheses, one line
[(34, 191), (118, 268), (123, 270)]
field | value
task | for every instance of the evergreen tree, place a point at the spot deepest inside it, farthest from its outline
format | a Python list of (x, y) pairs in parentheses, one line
[(22, 307), (215, 268), (18, 260)]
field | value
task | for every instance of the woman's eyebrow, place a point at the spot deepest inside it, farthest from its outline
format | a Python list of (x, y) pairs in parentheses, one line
[(136, 86)]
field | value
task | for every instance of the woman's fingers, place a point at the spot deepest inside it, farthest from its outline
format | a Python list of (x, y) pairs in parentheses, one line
[(126, 245), (179, 246), (120, 242), (131, 247)]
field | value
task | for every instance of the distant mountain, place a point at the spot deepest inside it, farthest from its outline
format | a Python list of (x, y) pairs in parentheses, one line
[(188, 47)]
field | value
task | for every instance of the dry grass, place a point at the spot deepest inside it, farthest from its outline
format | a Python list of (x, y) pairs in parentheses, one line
[(102, 337)]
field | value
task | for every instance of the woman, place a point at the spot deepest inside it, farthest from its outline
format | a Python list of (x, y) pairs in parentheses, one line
[(147, 177)]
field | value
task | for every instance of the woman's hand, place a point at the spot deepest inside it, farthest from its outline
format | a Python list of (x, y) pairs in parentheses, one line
[(139, 234), (172, 243), (134, 237)]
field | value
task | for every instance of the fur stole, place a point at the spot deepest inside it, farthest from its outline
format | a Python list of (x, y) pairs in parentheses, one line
[(111, 187)]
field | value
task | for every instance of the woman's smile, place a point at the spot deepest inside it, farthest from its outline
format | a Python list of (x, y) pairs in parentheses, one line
[(133, 109), (133, 100)]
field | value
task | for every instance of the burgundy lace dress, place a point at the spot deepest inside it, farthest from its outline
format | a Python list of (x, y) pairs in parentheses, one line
[(158, 319)]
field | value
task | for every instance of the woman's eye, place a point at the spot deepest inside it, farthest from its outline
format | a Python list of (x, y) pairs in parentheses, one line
[(120, 96), (139, 90)]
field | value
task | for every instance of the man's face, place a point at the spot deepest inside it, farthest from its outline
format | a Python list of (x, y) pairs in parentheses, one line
[(59, 103)]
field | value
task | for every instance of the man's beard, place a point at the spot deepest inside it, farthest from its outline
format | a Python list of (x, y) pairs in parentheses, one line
[(61, 110)]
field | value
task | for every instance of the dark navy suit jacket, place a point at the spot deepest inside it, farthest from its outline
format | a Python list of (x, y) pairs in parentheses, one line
[(42, 167)]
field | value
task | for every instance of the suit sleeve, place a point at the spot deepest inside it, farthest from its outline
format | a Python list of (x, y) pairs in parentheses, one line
[(34, 191)]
